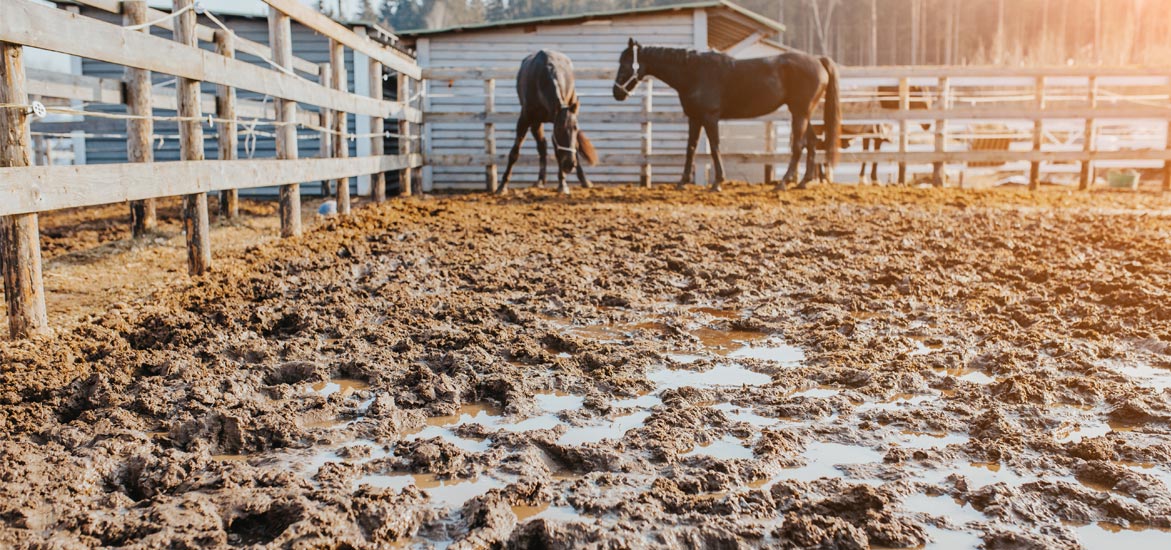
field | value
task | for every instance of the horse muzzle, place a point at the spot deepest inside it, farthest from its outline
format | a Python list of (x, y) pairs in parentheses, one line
[(620, 93)]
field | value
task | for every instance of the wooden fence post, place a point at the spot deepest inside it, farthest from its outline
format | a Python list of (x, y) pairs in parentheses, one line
[(648, 107), (20, 240), (904, 108), (281, 41), (228, 140), (341, 142), (1038, 137), (377, 129), (1090, 136), (195, 220), (325, 120), (1167, 163), (405, 147), (937, 173), (770, 147), (490, 134), (143, 216)]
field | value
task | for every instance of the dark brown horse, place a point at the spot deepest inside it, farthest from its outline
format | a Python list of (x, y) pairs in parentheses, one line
[(547, 93), (713, 87)]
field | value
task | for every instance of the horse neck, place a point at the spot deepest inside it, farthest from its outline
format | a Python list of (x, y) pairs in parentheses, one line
[(667, 65)]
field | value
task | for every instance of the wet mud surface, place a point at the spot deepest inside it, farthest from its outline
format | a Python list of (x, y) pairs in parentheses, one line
[(832, 368)]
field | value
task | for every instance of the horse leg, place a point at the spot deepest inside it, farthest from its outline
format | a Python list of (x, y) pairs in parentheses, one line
[(797, 143), (538, 130), (862, 173), (810, 159), (693, 127), (711, 126), (581, 175), (874, 165), (522, 128)]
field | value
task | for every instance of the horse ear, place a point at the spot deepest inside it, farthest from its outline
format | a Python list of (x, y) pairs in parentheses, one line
[(630, 43)]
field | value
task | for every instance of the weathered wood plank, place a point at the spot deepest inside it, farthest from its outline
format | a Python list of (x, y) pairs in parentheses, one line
[(377, 129), (44, 188), (341, 143), (311, 18), (891, 72), (1038, 135), (490, 177), (1086, 177), (196, 226), (203, 32), (139, 132), (913, 157), (228, 141), (20, 242), (281, 41), (68, 86), (404, 130), (23, 21)]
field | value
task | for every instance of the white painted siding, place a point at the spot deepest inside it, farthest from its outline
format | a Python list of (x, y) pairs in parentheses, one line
[(591, 45)]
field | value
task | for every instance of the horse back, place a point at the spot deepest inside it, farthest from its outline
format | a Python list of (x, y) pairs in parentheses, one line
[(544, 83)]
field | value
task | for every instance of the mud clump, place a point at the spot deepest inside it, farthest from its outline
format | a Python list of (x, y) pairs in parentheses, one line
[(832, 368)]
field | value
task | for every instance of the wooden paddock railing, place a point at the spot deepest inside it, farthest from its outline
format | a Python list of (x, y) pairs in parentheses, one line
[(1034, 103), (26, 190)]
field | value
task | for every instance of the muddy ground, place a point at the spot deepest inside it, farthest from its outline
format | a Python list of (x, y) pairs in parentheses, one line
[(833, 368)]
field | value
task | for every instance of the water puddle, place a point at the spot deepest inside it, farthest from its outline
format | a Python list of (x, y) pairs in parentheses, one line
[(824, 460), (725, 448), (821, 392), (615, 429), (925, 346), (445, 492), (717, 312), (955, 510), (718, 376), (897, 402), (927, 440), (559, 401), (743, 414), (345, 386), (977, 474), (723, 342), (1144, 375), (776, 352), (1075, 431), (647, 401), (1105, 534)]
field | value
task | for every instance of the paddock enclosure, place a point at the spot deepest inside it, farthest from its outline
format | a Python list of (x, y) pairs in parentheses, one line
[(984, 363)]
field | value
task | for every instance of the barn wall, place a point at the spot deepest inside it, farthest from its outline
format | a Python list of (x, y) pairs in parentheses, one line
[(591, 45)]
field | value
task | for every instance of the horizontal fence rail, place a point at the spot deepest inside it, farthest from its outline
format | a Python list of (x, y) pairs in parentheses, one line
[(966, 114), (299, 98)]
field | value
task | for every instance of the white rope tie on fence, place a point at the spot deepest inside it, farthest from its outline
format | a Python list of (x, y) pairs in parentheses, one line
[(163, 19)]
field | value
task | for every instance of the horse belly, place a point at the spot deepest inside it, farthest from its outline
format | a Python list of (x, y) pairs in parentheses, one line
[(753, 97)]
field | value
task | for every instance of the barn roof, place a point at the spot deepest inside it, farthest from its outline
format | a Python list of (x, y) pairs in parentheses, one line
[(732, 22)]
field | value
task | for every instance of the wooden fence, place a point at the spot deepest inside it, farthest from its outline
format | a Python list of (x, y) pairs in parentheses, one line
[(1032, 99), (26, 190)]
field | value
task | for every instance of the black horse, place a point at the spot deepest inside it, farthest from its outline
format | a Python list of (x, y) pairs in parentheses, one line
[(547, 93), (713, 86)]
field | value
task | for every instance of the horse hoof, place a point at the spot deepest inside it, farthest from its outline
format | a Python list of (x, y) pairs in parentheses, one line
[(540, 184), (716, 188), (780, 187), (587, 184), (502, 190), (680, 186)]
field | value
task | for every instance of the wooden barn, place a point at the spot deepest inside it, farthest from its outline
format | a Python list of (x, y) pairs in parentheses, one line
[(593, 41)]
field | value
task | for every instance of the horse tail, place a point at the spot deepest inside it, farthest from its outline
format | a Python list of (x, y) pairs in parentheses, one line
[(586, 148), (833, 113)]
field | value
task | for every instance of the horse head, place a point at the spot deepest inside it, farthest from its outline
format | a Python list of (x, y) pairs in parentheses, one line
[(630, 71), (569, 140)]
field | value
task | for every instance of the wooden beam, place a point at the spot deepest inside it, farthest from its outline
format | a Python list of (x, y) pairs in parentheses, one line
[(944, 101), (20, 243), (892, 72), (280, 36), (23, 21), (850, 116), (69, 86), (648, 107), (748, 42), (1038, 136), (405, 146), (1090, 137), (913, 157), (904, 107), (228, 140), (325, 77), (311, 18), (490, 178), (203, 32), (195, 217), (341, 142), (377, 129), (45, 188), (139, 132)]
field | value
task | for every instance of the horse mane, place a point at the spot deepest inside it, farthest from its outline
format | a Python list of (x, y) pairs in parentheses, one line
[(685, 56)]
